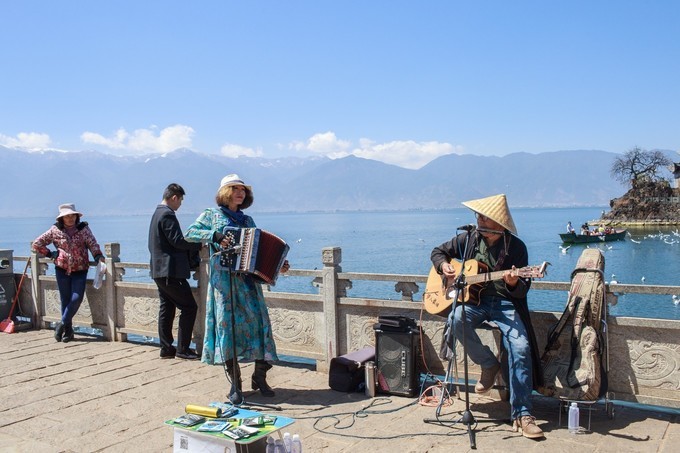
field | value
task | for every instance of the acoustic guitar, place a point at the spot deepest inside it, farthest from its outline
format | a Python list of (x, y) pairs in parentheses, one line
[(437, 298)]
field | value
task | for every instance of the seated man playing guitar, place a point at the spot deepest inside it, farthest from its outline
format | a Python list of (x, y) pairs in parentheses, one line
[(495, 245)]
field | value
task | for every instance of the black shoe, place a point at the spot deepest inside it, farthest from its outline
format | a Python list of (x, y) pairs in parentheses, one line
[(260, 383), (188, 355), (68, 334), (168, 353), (58, 331)]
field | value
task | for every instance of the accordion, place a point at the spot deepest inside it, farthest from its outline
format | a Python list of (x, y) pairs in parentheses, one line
[(256, 252)]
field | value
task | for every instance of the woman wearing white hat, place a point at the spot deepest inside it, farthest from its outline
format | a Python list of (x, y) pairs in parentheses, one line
[(72, 239), (494, 244), (252, 331)]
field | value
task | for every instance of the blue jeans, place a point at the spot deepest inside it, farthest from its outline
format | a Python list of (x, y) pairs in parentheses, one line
[(71, 292), (515, 341)]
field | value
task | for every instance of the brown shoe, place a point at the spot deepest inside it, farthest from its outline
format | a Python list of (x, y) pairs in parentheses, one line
[(487, 379), (526, 424)]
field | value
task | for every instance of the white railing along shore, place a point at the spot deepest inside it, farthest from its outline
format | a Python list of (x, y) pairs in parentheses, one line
[(325, 322)]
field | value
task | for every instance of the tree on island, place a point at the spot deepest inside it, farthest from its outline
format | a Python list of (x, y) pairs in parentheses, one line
[(647, 198), (639, 165)]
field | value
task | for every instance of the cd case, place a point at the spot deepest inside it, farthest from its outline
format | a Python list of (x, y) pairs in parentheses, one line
[(213, 426), (189, 420)]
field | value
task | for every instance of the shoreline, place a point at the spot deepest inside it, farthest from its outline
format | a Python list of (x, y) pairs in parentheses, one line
[(635, 223)]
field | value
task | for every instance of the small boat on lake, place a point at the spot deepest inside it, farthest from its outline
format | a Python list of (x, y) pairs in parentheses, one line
[(573, 238)]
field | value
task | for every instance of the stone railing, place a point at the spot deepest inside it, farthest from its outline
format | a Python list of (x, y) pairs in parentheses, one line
[(644, 353)]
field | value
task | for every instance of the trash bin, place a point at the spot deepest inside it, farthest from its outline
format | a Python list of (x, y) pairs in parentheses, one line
[(6, 262), (7, 292), (7, 283)]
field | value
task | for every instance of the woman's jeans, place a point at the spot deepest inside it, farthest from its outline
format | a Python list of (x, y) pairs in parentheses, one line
[(71, 292), (515, 341)]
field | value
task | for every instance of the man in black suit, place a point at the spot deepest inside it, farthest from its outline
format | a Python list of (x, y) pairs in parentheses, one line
[(170, 269)]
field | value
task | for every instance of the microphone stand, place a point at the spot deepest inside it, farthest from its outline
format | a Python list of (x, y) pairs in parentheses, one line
[(235, 396), (467, 418)]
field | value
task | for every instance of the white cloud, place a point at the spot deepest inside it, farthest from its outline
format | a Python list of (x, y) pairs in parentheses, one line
[(26, 140), (231, 150), (406, 153), (326, 144), (144, 140)]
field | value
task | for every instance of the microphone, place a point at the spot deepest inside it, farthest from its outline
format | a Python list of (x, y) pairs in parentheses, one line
[(226, 254), (232, 250), (470, 227)]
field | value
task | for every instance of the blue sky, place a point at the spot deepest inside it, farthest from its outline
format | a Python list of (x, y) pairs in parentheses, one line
[(396, 81)]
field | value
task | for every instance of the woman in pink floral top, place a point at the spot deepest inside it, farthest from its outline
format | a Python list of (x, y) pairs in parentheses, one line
[(72, 239)]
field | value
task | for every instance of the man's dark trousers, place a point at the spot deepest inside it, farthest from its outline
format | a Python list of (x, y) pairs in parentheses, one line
[(175, 293)]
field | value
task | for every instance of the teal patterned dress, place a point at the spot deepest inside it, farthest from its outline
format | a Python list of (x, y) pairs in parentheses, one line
[(254, 338)]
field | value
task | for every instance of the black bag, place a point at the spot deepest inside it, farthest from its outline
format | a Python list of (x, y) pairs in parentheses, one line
[(346, 373), (394, 323)]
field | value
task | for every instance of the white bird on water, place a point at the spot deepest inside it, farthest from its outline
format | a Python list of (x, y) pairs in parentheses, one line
[(676, 299), (642, 279), (564, 249), (613, 280)]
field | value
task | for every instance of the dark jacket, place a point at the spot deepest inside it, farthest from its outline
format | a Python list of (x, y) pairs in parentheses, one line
[(71, 252), (169, 250), (517, 255)]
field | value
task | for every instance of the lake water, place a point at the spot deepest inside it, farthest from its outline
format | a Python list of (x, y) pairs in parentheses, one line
[(401, 242)]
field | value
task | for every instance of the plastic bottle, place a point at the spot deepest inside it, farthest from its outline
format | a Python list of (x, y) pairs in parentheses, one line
[(573, 418), (287, 441), (296, 444), (100, 271), (278, 446), (271, 446)]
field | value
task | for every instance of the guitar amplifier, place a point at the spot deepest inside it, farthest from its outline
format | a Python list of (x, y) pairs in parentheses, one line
[(397, 355)]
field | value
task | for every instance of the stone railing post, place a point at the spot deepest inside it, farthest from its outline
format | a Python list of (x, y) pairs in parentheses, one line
[(112, 252), (38, 301), (331, 258)]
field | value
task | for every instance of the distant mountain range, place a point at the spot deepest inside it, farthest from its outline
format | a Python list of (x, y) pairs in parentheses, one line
[(33, 184)]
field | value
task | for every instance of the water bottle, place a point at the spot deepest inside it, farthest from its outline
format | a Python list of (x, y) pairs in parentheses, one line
[(279, 447), (271, 446), (573, 418), (286, 441), (296, 444), (369, 375)]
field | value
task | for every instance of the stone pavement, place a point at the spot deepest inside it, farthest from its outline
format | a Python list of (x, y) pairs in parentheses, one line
[(90, 395)]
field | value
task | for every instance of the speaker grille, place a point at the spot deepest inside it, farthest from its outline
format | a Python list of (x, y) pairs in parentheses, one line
[(396, 358)]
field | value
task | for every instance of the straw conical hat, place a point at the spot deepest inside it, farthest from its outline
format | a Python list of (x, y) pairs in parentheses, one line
[(494, 207)]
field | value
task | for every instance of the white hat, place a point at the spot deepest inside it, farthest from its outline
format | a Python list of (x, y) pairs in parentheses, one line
[(234, 180), (67, 209), (495, 208)]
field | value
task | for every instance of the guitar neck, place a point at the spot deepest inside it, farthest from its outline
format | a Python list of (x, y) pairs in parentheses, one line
[(484, 277)]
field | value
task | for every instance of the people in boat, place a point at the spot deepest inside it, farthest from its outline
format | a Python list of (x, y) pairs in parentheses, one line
[(504, 302), (252, 331), (585, 229), (570, 229)]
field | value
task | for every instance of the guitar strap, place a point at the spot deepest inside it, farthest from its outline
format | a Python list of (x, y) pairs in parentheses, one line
[(507, 237)]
